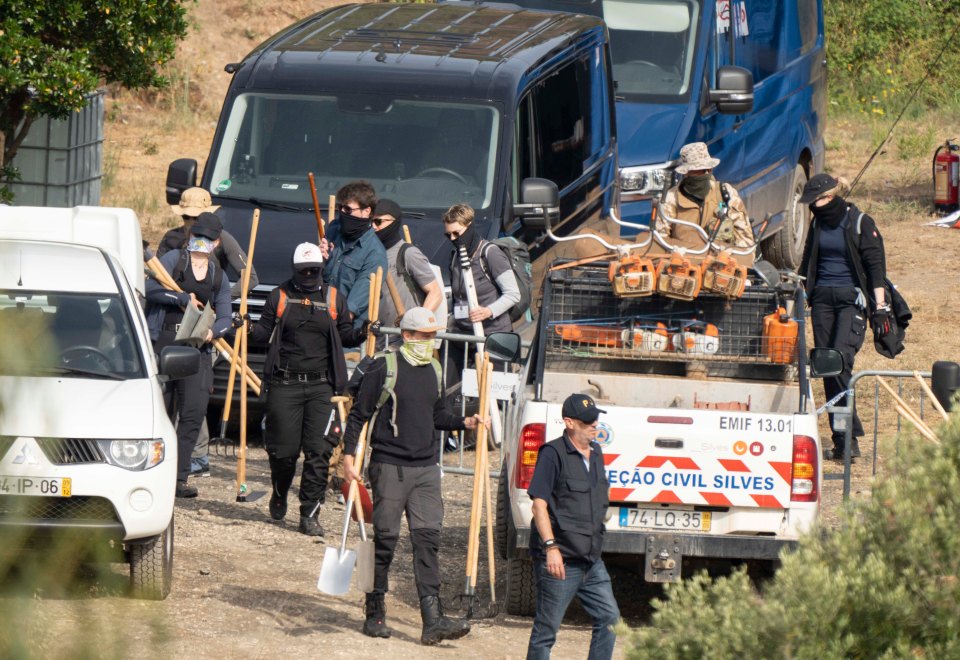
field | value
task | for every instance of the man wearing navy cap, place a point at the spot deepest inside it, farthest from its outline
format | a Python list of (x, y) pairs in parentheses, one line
[(569, 490)]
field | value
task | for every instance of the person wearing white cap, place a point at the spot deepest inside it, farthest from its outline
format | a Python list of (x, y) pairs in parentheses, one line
[(701, 199), (306, 324), (228, 253), (404, 468)]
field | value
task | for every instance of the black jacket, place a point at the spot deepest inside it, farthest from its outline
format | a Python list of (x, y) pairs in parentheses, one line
[(865, 252)]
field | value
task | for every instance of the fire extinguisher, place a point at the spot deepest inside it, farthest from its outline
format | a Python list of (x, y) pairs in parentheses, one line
[(946, 177)]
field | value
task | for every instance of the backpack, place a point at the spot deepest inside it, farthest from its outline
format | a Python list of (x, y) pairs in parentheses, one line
[(184, 261), (330, 306), (387, 393), (418, 295), (519, 257)]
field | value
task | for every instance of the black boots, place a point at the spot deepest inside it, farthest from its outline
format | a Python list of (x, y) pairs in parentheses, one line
[(310, 526), (437, 627), (836, 454), (185, 490), (375, 625)]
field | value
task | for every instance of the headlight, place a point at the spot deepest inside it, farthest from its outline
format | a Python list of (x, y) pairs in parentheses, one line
[(648, 180), (132, 454)]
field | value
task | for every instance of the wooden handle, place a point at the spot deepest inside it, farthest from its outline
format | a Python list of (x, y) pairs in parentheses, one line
[(491, 554), (242, 453), (476, 503), (331, 207), (231, 379), (395, 295), (316, 206), (406, 234), (907, 413), (373, 307), (933, 397)]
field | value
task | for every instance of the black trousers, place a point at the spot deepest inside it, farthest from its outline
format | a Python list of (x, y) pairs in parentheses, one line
[(186, 400), (838, 322), (297, 417), (414, 491)]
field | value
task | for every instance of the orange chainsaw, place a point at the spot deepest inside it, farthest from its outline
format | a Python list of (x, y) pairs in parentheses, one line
[(633, 277), (722, 274), (678, 278)]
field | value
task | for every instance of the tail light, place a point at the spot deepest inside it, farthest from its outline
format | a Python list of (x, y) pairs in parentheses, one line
[(804, 480), (532, 438)]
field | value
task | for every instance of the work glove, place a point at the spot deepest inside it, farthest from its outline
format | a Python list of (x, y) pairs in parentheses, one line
[(374, 327), (882, 320), (237, 320)]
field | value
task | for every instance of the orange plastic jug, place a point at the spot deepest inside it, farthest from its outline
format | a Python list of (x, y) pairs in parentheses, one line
[(779, 337)]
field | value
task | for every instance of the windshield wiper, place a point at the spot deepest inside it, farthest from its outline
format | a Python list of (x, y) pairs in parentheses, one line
[(81, 372), (276, 206)]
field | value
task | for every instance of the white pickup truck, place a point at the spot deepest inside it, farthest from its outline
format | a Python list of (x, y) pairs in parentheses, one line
[(87, 453), (712, 453)]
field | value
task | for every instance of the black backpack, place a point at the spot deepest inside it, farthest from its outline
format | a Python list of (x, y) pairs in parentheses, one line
[(519, 257)]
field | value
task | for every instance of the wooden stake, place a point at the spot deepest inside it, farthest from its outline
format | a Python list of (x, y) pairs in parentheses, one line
[(406, 234), (933, 397), (242, 452), (373, 307), (331, 208), (316, 206), (491, 555), (907, 413)]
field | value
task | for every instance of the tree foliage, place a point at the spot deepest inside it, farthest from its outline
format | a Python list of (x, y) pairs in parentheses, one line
[(54, 53), (878, 50), (885, 585)]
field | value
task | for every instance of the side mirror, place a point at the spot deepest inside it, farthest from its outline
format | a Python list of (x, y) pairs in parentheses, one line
[(825, 362), (767, 273), (178, 362), (538, 197), (503, 346), (181, 174), (734, 92)]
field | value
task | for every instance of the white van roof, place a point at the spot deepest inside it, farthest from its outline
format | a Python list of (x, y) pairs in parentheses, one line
[(115, 230), (61, 267)]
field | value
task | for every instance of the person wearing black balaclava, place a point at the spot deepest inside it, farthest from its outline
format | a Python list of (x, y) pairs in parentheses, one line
[(306, 325), (845, 268), (352, 250)]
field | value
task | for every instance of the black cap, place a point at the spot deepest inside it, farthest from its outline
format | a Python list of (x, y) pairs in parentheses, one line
[(388, 207), (207, 225), (816, 186), (582, 407)]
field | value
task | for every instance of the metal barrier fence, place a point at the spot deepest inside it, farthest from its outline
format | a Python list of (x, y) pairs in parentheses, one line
[(455, 357), (843, 415)]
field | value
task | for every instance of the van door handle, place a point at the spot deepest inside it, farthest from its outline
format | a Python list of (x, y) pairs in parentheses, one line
[(669, 443)]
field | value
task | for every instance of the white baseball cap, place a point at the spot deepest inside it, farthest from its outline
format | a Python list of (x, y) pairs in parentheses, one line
[(419, 319), (307, 255)]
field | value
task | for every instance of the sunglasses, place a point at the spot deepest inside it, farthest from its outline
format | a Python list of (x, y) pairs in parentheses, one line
[(346, 209), (310, 272), (453, 235), (379, 221)]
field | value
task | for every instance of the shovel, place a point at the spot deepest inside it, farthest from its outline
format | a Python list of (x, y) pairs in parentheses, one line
[(338, 563)]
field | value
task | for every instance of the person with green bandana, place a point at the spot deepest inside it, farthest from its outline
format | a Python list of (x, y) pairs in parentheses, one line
[(404, 467), (701, 199)]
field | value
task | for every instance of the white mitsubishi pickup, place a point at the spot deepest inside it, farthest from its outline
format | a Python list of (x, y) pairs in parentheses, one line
[(87, 452), (712, 451)]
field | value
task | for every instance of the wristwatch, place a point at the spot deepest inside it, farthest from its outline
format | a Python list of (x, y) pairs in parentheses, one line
[(549, 543)]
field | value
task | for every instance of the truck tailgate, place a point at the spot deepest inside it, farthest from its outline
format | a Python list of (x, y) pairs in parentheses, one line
[(697, 457)]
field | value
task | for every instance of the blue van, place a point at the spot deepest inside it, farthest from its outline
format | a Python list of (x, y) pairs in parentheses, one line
[(676, 82), (433, 105)]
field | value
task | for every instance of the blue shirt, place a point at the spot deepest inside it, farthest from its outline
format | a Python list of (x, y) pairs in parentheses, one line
[(349, 268), (833, 265)]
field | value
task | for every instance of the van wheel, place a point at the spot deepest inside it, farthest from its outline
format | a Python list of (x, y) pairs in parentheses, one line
[(503, 511), (785, 248), (521, 590), (151, 566)]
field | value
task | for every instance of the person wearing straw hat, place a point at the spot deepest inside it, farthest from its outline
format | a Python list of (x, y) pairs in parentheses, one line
[(701, 199), (404, 469), (203, 282), (228, 253), (306, 325), (570, 497)]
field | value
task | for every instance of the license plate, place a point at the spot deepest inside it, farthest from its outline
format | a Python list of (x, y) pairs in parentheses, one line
[(39, 486), (686, 521)]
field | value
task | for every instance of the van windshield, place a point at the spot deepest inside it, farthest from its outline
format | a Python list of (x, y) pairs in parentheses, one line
[(68, 334), (421, 154), (652, 43)]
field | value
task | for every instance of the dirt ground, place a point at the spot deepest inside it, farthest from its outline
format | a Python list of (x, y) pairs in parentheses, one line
[(244, 586)]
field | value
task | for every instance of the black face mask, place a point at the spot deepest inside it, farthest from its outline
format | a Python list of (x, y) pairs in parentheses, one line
[(391, 235), (832, 213), (307, 280), (353, 227), (468, 239), (697, 185)]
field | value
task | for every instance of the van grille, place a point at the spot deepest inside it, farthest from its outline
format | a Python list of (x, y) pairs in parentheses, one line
[(56, 508), (71, 451)]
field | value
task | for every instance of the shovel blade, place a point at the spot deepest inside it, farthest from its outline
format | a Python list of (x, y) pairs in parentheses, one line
[(336, 571), (365, 557)]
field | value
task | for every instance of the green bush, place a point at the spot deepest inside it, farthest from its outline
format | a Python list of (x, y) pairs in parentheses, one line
[(878, 50), (884, 585)]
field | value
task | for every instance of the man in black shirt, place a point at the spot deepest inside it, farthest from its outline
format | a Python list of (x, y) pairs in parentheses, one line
[(569, 490), (306, 324), (403, 468)]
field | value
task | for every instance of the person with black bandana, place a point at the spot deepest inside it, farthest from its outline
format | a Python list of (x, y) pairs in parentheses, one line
[(306, 325), (701, 199), (202, 281), (352, 250), (845, 268)]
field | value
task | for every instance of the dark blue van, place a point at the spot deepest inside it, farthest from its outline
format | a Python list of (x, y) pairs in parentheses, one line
[(672, 66), (433, 104)]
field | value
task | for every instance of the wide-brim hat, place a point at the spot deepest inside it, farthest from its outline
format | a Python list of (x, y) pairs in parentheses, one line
[(420, 319), (193, 202), (696, 156)]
